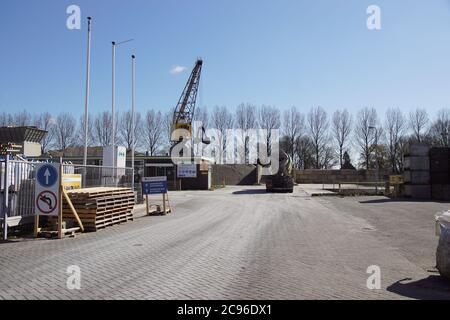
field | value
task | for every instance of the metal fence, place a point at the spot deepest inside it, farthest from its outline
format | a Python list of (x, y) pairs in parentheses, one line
[(99, 176), (17, 182), (358, 187), (17, 187)]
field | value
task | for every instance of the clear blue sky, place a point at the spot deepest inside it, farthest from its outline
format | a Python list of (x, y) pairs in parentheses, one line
[(286, 52)]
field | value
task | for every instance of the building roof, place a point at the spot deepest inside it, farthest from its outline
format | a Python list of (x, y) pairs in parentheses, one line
[(21, 134), (79, 152)]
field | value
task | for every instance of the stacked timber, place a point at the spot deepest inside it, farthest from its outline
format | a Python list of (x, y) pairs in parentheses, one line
[(416, 173), (100, 207)]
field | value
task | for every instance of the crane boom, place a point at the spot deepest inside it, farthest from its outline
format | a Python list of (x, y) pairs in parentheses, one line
[(184, 111)]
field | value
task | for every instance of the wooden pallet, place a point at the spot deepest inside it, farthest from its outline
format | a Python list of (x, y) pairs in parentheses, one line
[(53, 234), (99, 208)]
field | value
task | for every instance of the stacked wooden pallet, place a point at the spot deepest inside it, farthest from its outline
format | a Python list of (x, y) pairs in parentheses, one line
[(100, 207)]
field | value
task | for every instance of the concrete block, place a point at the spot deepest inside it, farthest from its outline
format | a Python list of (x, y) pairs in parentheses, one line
[(417, 191), (440, 192), (439, 165), (417, 150), (440, 177), (416, 163), (416, 177), (443, 253)]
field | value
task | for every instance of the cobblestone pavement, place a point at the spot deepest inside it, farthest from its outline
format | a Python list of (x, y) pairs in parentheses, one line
[(234, 243)]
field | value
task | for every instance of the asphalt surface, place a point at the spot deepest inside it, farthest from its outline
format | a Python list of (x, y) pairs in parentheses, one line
[(240, 243)]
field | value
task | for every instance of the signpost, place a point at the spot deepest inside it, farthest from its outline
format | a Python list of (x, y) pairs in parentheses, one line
[(47, 191), (187, 170), (156, 185)]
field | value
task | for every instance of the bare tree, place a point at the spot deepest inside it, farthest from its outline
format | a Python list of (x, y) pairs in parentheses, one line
[(6, 119), (126, 129), (22, 119), (440, 129), (222, 120), (342, 128), (293, 128), (153, 128), (166, 137), (200, 115), (65, 131), (269, 119), (304, 150), (365, 135), (44, 121), (103, 129), (245, 120), (80, 132), (395, 129), (418, 122), (318, 133)]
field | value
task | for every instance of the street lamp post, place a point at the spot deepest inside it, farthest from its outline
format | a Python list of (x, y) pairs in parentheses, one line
[(86, 102), (113, 108), (133, 70)]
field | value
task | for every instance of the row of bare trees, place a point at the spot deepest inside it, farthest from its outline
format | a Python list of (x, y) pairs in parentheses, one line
[(314, 139), (65, 131)]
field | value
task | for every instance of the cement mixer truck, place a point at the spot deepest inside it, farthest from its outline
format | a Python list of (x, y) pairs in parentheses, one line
[(283, 180)]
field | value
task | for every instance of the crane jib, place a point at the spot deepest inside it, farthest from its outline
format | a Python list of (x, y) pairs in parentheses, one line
[(185, 109)]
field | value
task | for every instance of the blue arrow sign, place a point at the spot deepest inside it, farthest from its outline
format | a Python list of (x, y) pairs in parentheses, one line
[(47, 175)]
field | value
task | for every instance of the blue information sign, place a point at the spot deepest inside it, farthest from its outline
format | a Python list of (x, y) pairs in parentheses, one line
[(154, 185)]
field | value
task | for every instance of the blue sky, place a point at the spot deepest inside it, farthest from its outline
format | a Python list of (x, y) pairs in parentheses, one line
[(283, 53)]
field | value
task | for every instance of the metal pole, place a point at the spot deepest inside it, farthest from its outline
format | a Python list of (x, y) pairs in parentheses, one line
[(376, 162), (133, 73), (113, 138), (86, 104), (6, 205)]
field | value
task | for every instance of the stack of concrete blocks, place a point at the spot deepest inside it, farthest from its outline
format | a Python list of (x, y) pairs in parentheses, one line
[(440, 173), (416, 174)]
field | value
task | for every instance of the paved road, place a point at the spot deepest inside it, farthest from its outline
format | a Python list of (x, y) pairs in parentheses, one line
[(235, 243)]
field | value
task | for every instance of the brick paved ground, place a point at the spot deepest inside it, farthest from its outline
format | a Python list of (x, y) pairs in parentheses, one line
[(235, 243)]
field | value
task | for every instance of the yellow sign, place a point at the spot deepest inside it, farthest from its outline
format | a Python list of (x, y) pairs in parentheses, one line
[(395, 179), (71, 181)]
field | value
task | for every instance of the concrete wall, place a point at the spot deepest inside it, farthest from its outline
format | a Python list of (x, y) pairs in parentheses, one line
[(336, 176), (238, 174), (234, 174)]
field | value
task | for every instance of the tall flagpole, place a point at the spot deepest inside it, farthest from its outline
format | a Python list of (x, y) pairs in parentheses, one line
[(86, 102), (113, 115), (133, 120)]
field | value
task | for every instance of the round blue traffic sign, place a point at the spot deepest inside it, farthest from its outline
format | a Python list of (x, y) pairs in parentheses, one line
[(47, 176)]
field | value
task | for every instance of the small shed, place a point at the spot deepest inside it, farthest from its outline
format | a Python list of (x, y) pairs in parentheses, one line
[(28, 138)]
